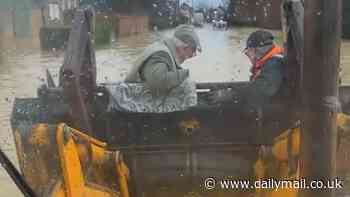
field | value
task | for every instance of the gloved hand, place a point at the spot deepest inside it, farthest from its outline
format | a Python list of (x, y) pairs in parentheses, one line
[(221, 96)]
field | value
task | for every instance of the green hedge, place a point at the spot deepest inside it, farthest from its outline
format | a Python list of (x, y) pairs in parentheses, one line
[(103, 30), (346, 18)]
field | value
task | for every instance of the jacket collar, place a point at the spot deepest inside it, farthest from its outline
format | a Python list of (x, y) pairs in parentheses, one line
[(170, 43), (256, 69)]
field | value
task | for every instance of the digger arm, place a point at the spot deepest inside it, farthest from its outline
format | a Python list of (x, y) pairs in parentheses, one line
[(73, 177), (78, 73)]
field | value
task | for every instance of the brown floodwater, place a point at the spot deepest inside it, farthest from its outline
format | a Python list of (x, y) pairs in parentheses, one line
[(22, 71)]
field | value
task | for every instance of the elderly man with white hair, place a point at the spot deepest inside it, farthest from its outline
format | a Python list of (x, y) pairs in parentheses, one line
[(156, 82), (159, 66)]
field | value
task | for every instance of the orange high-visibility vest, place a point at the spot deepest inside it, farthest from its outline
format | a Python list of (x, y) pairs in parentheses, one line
[(256, 70)]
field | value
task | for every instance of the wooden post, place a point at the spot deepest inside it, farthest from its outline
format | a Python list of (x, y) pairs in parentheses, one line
[(322, 33)]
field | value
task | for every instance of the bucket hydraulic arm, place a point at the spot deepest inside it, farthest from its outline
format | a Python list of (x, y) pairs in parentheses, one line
[(78, 73)]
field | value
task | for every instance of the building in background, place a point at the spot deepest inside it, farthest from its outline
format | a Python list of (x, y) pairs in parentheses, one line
[(185, 13), (164, 13), (267, 14), (261, 13), (20, 21), (59, 11)]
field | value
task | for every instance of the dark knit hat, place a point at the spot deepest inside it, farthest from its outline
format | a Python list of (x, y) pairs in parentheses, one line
[(259, 38)]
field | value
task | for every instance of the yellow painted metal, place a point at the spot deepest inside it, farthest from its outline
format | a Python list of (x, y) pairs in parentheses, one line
[(280, 156), (291, 192), (189, 126), (76, 149), (40, 136), (276, 162), (58, 190), (260, 169), (87, 138), (343, 122), (70, 163), (31, 151), (123, 174), (280, 147), (19, 146), (74, 183), (99, 156)]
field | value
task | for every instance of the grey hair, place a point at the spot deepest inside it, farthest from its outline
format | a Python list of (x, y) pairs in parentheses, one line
[(179, 43)]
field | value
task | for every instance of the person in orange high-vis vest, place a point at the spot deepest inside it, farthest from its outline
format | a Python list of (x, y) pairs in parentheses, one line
[(267, 74)]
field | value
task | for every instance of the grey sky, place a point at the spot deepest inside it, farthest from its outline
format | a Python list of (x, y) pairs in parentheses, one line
[(207, 3)]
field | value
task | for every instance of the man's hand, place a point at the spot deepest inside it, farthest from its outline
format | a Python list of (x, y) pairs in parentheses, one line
[(221, 96)]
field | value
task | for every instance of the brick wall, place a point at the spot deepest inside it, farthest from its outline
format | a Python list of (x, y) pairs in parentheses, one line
[(128, 25), (7, 36), (6, 22), (36, 25), (270, 14)]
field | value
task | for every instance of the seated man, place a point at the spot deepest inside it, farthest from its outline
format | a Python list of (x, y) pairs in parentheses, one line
[(159, 65), (267, 74), (156, 82)]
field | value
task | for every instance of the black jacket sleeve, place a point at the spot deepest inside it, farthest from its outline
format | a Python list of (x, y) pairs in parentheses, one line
[(266, 85)]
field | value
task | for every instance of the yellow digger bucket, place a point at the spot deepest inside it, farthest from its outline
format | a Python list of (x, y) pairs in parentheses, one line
[(280, 161), (57, 160), (63, 162)]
